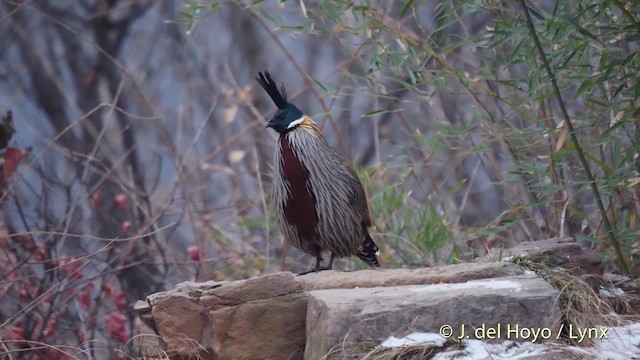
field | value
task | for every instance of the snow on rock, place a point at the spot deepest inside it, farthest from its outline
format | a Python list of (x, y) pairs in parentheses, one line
[(611, 292), (490, 284), (416, 338), (480, 350), (622, 343)]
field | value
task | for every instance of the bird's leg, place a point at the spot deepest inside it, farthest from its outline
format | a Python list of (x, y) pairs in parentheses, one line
[(330, 262), (328, 267), (318, 262), (319, 267)]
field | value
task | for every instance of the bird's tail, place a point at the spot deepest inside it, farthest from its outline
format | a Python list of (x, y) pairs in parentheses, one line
[(368, 252)]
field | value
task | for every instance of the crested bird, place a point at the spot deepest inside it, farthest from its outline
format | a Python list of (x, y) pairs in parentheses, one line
[(318, 200)]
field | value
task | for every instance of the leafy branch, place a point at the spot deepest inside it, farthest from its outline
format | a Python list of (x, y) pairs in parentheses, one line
[(574, 139)]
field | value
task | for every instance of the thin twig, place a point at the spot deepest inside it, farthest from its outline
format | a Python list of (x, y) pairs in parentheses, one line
[(265, 209)]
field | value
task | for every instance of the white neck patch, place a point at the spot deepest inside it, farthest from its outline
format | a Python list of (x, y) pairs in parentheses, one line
[(295, 122)]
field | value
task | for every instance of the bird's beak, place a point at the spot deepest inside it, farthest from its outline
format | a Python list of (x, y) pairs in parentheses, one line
[(268, 124)]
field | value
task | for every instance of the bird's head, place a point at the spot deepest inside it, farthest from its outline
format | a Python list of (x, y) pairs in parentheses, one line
[(288, 115)]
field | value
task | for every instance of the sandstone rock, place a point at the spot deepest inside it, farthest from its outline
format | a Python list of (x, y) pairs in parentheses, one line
[(148, 340), (183, 325), (561, 252), (344, 322), (272, 328), (395, 277), (265, 317), (260, 318)]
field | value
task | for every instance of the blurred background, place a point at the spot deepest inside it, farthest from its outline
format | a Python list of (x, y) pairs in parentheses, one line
[(140, 158)]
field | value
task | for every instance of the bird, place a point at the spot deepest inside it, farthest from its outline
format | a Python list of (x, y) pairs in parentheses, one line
[(318, 200)]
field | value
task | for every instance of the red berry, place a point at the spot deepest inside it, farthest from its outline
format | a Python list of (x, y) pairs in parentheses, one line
[(96, 200), (194, 253), (115, 324), (206, 219), (121, 201), (126, 227)]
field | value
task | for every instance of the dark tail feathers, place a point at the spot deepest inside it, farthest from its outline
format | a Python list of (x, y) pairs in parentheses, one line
[(368, 252)]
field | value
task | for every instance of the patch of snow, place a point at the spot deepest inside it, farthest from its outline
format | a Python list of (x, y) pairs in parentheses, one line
[(414, 339), (506, 259), (480, 350), (500, 285), (622, 343), (490, 284), (530, 272), (611, 292)]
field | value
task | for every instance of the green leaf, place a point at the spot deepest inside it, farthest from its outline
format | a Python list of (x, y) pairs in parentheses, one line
[(374, 112), (580, 29), (535, 13), (406, 7), (412, 78), (266, 15), (186, 14), (615, 126), (568, 58), (324, 88), (586, 85), (292, 27)]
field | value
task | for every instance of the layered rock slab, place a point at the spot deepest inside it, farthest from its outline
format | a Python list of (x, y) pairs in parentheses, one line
[(396, 277), (345, 322), (259, 318), (265, 317)]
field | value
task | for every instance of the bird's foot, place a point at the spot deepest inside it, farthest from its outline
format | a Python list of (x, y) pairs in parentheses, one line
[(319, 267), (316, 270)]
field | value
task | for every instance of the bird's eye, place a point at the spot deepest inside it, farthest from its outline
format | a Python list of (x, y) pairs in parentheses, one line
[(281, 117)]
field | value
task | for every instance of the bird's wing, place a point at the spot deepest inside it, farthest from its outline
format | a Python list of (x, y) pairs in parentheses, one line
[(357, 195), (331, 158), (359, 198)]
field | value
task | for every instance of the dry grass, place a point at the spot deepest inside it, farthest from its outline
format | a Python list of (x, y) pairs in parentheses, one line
[(587, 301), (413, 352)]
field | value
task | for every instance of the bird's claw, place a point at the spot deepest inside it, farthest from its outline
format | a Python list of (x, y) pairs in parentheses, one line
[(315, 270)]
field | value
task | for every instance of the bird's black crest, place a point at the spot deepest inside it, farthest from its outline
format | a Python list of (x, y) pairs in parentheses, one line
[(279, 96)]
